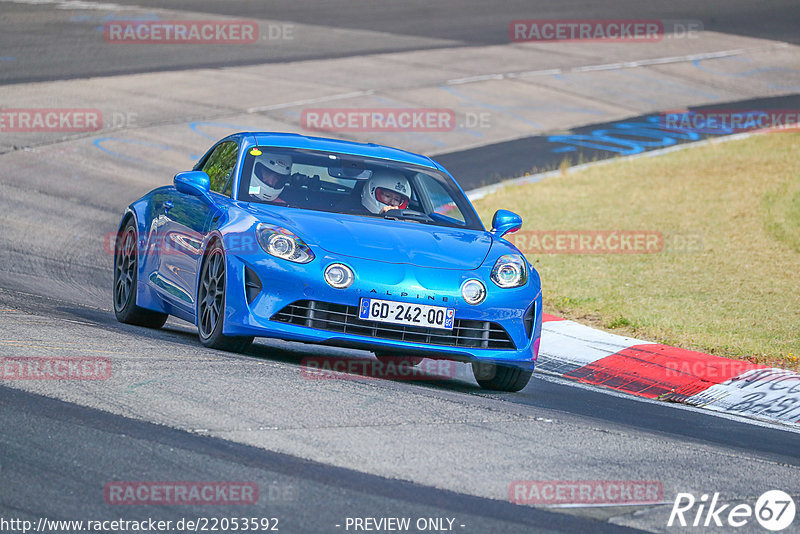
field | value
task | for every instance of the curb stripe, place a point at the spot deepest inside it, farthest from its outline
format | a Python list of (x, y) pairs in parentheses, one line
[(655, 370)]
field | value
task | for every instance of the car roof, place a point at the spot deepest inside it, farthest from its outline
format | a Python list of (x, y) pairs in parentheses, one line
[(293, 140)]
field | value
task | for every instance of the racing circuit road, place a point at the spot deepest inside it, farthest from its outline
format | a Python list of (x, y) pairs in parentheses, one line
[(325, 450)]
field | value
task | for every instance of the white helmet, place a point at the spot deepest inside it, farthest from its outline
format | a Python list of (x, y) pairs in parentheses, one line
[(385, 188), (272, 164)]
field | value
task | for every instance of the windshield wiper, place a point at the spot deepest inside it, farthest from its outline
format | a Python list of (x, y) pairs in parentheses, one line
[(407, 215)]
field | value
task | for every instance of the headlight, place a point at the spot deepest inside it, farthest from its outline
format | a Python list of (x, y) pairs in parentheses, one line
[(510, 270), (473, 291), (339, 276), (282, 243)]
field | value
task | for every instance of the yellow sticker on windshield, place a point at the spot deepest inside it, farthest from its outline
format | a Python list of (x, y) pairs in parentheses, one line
[(255, 151)]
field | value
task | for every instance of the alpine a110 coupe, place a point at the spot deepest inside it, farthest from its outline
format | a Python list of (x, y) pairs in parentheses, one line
[(335, 243)]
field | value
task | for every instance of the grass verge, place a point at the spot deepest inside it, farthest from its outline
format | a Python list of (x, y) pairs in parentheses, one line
[(725, 277)]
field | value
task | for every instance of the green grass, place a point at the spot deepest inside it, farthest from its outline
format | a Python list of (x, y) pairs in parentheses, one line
[(728, 279)]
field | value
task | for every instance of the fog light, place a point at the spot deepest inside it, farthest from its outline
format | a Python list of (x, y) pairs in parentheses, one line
[(339, 276), (473, 291)]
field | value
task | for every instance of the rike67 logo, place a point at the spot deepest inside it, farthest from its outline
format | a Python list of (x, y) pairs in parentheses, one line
[(774, 510)]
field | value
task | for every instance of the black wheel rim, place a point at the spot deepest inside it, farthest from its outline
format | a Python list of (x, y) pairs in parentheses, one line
[(125, 270), (212, 293)]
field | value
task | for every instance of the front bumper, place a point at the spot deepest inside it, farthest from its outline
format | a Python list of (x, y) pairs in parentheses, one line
[(494, 331)]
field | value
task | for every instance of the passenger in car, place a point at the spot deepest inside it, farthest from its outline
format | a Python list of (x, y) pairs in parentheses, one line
[(385, 190), (270, 175)]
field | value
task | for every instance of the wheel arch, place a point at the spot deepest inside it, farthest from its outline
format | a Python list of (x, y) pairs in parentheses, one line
[(210, 240), (127, 216)]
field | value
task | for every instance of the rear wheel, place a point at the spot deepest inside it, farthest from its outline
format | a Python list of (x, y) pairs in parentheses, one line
[(397, 360), (500, 377), (211, 304), (126, 270)]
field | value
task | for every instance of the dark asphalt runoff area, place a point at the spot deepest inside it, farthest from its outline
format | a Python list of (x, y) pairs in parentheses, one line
[(477, 167), (44, 44)]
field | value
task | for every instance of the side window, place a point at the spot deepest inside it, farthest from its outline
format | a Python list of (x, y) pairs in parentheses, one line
[(443, 203), (219, 167)]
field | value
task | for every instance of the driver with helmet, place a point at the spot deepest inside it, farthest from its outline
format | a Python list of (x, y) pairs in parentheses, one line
[(270, 173), (385, 190)]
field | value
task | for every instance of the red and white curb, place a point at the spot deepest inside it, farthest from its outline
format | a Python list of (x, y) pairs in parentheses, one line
[(656, 371)]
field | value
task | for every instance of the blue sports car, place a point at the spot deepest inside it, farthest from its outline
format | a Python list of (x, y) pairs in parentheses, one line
[(335, 243)]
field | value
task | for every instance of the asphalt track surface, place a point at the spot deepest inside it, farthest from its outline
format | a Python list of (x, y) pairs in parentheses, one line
[(320, 452), (305, 496), (32, 30)]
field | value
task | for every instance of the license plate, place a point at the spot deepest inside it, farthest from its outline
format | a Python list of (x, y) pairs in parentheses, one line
[(387, 311)]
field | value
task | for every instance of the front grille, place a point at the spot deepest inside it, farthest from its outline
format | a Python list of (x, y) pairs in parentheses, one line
[(344, 319)]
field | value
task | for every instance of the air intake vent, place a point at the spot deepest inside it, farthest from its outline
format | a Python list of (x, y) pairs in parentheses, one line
[(344, 319), (528, 319), (252, 285)]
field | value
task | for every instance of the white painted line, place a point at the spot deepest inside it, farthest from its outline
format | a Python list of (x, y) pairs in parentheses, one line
[(545, 72), (479, 78), (618, 66), (75, 4), (340, 96), (608, 505)]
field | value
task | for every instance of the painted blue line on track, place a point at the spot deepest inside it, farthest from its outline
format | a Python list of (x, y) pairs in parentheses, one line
[(489, 164), (99, 144)]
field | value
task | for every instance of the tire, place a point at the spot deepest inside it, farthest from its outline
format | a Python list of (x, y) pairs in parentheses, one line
[(211, 304), (398, 361), (498, 377), (126, 272)]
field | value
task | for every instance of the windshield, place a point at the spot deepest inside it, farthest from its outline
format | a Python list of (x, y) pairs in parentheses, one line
[(354, 185)]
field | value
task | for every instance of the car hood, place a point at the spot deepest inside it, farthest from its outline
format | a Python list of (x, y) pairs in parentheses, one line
[(422, 245)]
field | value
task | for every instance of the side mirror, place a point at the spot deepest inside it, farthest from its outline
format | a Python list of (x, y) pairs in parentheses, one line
[(505, 222), (195, 183)]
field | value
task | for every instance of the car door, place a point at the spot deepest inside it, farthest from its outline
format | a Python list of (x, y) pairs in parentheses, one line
[(187, 220)]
